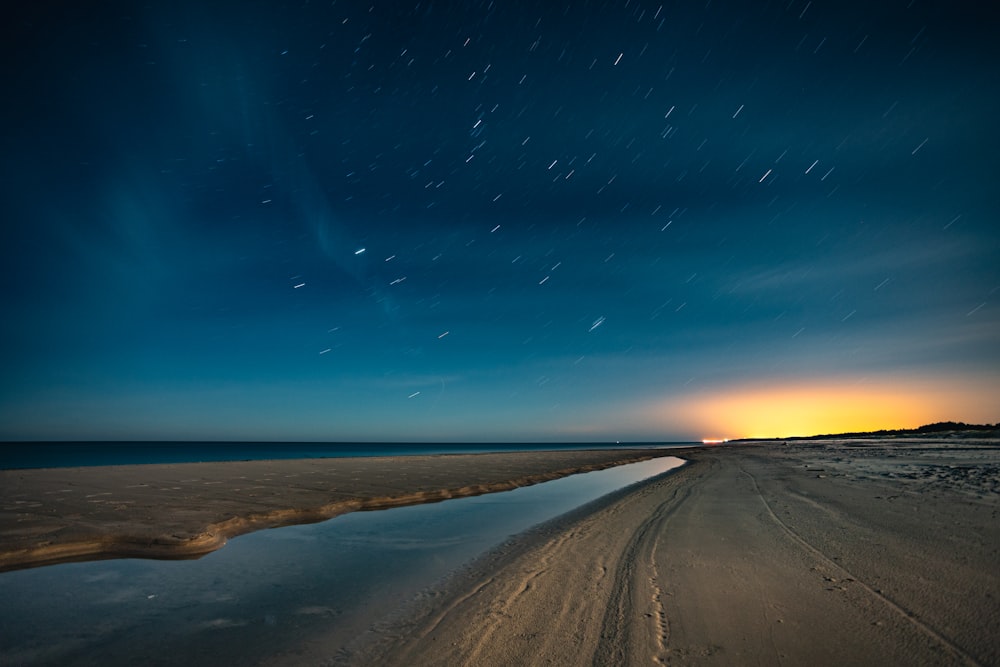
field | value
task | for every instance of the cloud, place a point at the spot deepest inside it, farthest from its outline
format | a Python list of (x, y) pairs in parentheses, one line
[(849, 267)]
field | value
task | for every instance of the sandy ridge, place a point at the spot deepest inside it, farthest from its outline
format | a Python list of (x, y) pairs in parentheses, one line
[(177, 511)]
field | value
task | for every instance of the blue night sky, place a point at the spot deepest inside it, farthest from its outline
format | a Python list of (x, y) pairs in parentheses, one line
[(497, 220)]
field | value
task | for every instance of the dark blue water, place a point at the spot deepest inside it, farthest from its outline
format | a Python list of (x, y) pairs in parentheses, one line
[(71, 454)]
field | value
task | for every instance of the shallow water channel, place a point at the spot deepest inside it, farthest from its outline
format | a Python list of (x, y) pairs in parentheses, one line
[(275, 596)]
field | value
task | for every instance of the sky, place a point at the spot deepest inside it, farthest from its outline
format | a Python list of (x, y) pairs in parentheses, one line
[(497, 221)]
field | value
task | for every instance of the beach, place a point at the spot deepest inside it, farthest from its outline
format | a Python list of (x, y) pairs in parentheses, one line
[(810, 553), (825, 552)]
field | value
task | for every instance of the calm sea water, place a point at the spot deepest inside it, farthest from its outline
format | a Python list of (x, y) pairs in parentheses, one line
[(72, 454)]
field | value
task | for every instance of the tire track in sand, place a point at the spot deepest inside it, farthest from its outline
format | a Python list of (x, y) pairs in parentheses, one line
[(636, 592), (901, 611), (546, 596)]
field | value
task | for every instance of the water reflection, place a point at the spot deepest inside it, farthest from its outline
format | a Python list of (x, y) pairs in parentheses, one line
[(288, 595)]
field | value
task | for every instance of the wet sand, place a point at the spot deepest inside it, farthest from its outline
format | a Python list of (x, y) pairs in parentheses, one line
[(189, 509), (809, 553)]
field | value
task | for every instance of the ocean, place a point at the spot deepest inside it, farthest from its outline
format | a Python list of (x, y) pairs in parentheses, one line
[(21, 455)]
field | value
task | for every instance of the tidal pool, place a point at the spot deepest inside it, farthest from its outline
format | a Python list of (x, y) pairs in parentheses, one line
[(280, 596)]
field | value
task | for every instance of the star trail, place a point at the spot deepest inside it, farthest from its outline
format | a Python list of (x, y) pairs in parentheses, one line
[(497, 221)]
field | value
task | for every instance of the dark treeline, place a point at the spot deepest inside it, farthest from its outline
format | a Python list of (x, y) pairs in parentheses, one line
[(926, 429)]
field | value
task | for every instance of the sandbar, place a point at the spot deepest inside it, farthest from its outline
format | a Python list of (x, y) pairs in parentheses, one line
[(186, 510)]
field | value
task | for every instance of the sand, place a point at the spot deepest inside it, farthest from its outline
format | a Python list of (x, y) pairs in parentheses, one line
[(800, 553), (826, 553), (187, 510)]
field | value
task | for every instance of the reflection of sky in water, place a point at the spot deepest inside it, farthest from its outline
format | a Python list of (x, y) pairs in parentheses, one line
[(273, 595)]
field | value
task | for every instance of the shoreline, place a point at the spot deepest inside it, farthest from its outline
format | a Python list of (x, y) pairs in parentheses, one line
[(187, 510)]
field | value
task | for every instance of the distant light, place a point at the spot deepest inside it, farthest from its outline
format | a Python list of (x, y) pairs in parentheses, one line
[(714, 441), (299, 285), (359, 251)]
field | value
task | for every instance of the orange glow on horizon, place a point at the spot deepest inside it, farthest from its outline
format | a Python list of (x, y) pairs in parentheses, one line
[(804, 408), (781, 413)]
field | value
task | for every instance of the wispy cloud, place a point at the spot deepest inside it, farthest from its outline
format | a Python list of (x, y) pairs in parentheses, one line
[(849, 267)]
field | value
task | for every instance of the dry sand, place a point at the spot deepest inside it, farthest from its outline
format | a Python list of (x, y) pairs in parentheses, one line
[(189, 509), (820, 553)]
